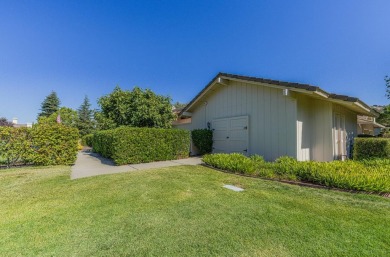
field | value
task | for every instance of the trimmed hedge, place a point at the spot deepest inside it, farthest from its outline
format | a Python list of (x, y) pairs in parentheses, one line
[(368, 175), (87, 140), (44, 144), (15, 145), (369, 148), (54, 144), (203, 140), (129, 145)]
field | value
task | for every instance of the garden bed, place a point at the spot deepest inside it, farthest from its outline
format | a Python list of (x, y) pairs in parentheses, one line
[(370, 176)]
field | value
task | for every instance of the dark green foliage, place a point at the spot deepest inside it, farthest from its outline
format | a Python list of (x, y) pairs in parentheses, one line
[(85, 123), (68, 117), (15, 145), (365, 135), (87, 140), (367, 175), (102, 122), (54, 144), (203, 140), (5, 123), (50, 105), (384, 117), (136, 108), (44, 144), (387, 80), (126, 145), (368, 148)]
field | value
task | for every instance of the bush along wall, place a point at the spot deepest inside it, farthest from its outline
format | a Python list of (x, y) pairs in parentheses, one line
[(128, 145), (54, 144), (203, 140), (368, 175), (369, 148)]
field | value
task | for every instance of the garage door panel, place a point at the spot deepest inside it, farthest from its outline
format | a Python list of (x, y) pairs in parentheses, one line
[(230, 135), (238, 146), (220, 134), (239, 123), (220, 124), (238, 135)]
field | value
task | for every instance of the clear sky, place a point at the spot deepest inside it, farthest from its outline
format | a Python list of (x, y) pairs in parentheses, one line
[(175, 48)]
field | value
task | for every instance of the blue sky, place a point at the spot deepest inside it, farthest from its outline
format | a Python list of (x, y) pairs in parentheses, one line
[(79, 48)]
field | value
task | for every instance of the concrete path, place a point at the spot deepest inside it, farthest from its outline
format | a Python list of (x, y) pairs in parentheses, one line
[(90, 164)]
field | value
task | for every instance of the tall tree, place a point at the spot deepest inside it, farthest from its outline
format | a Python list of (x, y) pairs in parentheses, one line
[(137, 108), (384, 117), (179, 105), (50, 105), (85, 114), (5, 123)]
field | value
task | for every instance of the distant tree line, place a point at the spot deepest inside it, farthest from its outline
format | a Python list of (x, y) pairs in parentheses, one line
[(135, 108)]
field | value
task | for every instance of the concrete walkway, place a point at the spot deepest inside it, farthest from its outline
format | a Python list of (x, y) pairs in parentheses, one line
[(90, 164)]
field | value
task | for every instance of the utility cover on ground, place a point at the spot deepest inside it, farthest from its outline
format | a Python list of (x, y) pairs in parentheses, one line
[(234, 188)]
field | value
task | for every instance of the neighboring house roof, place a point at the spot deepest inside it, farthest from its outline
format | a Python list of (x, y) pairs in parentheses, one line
[(369, 120), (353, 102)]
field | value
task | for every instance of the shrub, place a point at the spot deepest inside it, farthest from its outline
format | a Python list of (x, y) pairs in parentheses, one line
[(368, 148), (234, 162), (203, 140), (15, 145), (368, 175), (102, 142), (128, 145), (54, 144), (87, 140)]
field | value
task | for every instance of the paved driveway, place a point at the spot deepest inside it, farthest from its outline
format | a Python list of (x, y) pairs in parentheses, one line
[(90, 164)]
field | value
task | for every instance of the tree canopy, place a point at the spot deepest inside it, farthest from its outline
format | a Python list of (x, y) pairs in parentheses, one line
[(68, 117), (85, 122), (50, 105), (137, 108), (384, 117), (5, 123)]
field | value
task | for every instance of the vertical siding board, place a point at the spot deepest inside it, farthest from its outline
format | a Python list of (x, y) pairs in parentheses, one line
[(260, 119), (252, 114), (267, 122), (281, 120)]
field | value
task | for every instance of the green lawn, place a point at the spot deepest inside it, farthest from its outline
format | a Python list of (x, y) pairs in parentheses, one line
[(183, 211)]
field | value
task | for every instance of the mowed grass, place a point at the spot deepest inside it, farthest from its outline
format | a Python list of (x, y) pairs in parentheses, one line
[(183, 211)]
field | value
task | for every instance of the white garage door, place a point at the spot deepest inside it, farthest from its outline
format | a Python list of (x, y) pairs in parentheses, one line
[(230, 135)]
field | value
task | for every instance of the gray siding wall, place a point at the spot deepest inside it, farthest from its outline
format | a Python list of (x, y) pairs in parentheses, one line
[(272, 116), (314, 129), (350, 124), (298, 125)]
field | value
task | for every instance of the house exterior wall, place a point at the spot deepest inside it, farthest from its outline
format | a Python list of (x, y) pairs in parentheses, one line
[(351, 126), (314, 129), (298, 125), (272, 116)]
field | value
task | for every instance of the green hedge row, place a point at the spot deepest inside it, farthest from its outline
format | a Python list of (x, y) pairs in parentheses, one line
[(368, 175), (44, 144), (128, 145), (87, 140), (203, 140), (368, 148)]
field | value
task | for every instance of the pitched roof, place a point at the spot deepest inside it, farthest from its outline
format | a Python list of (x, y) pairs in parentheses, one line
[(282, 84)]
